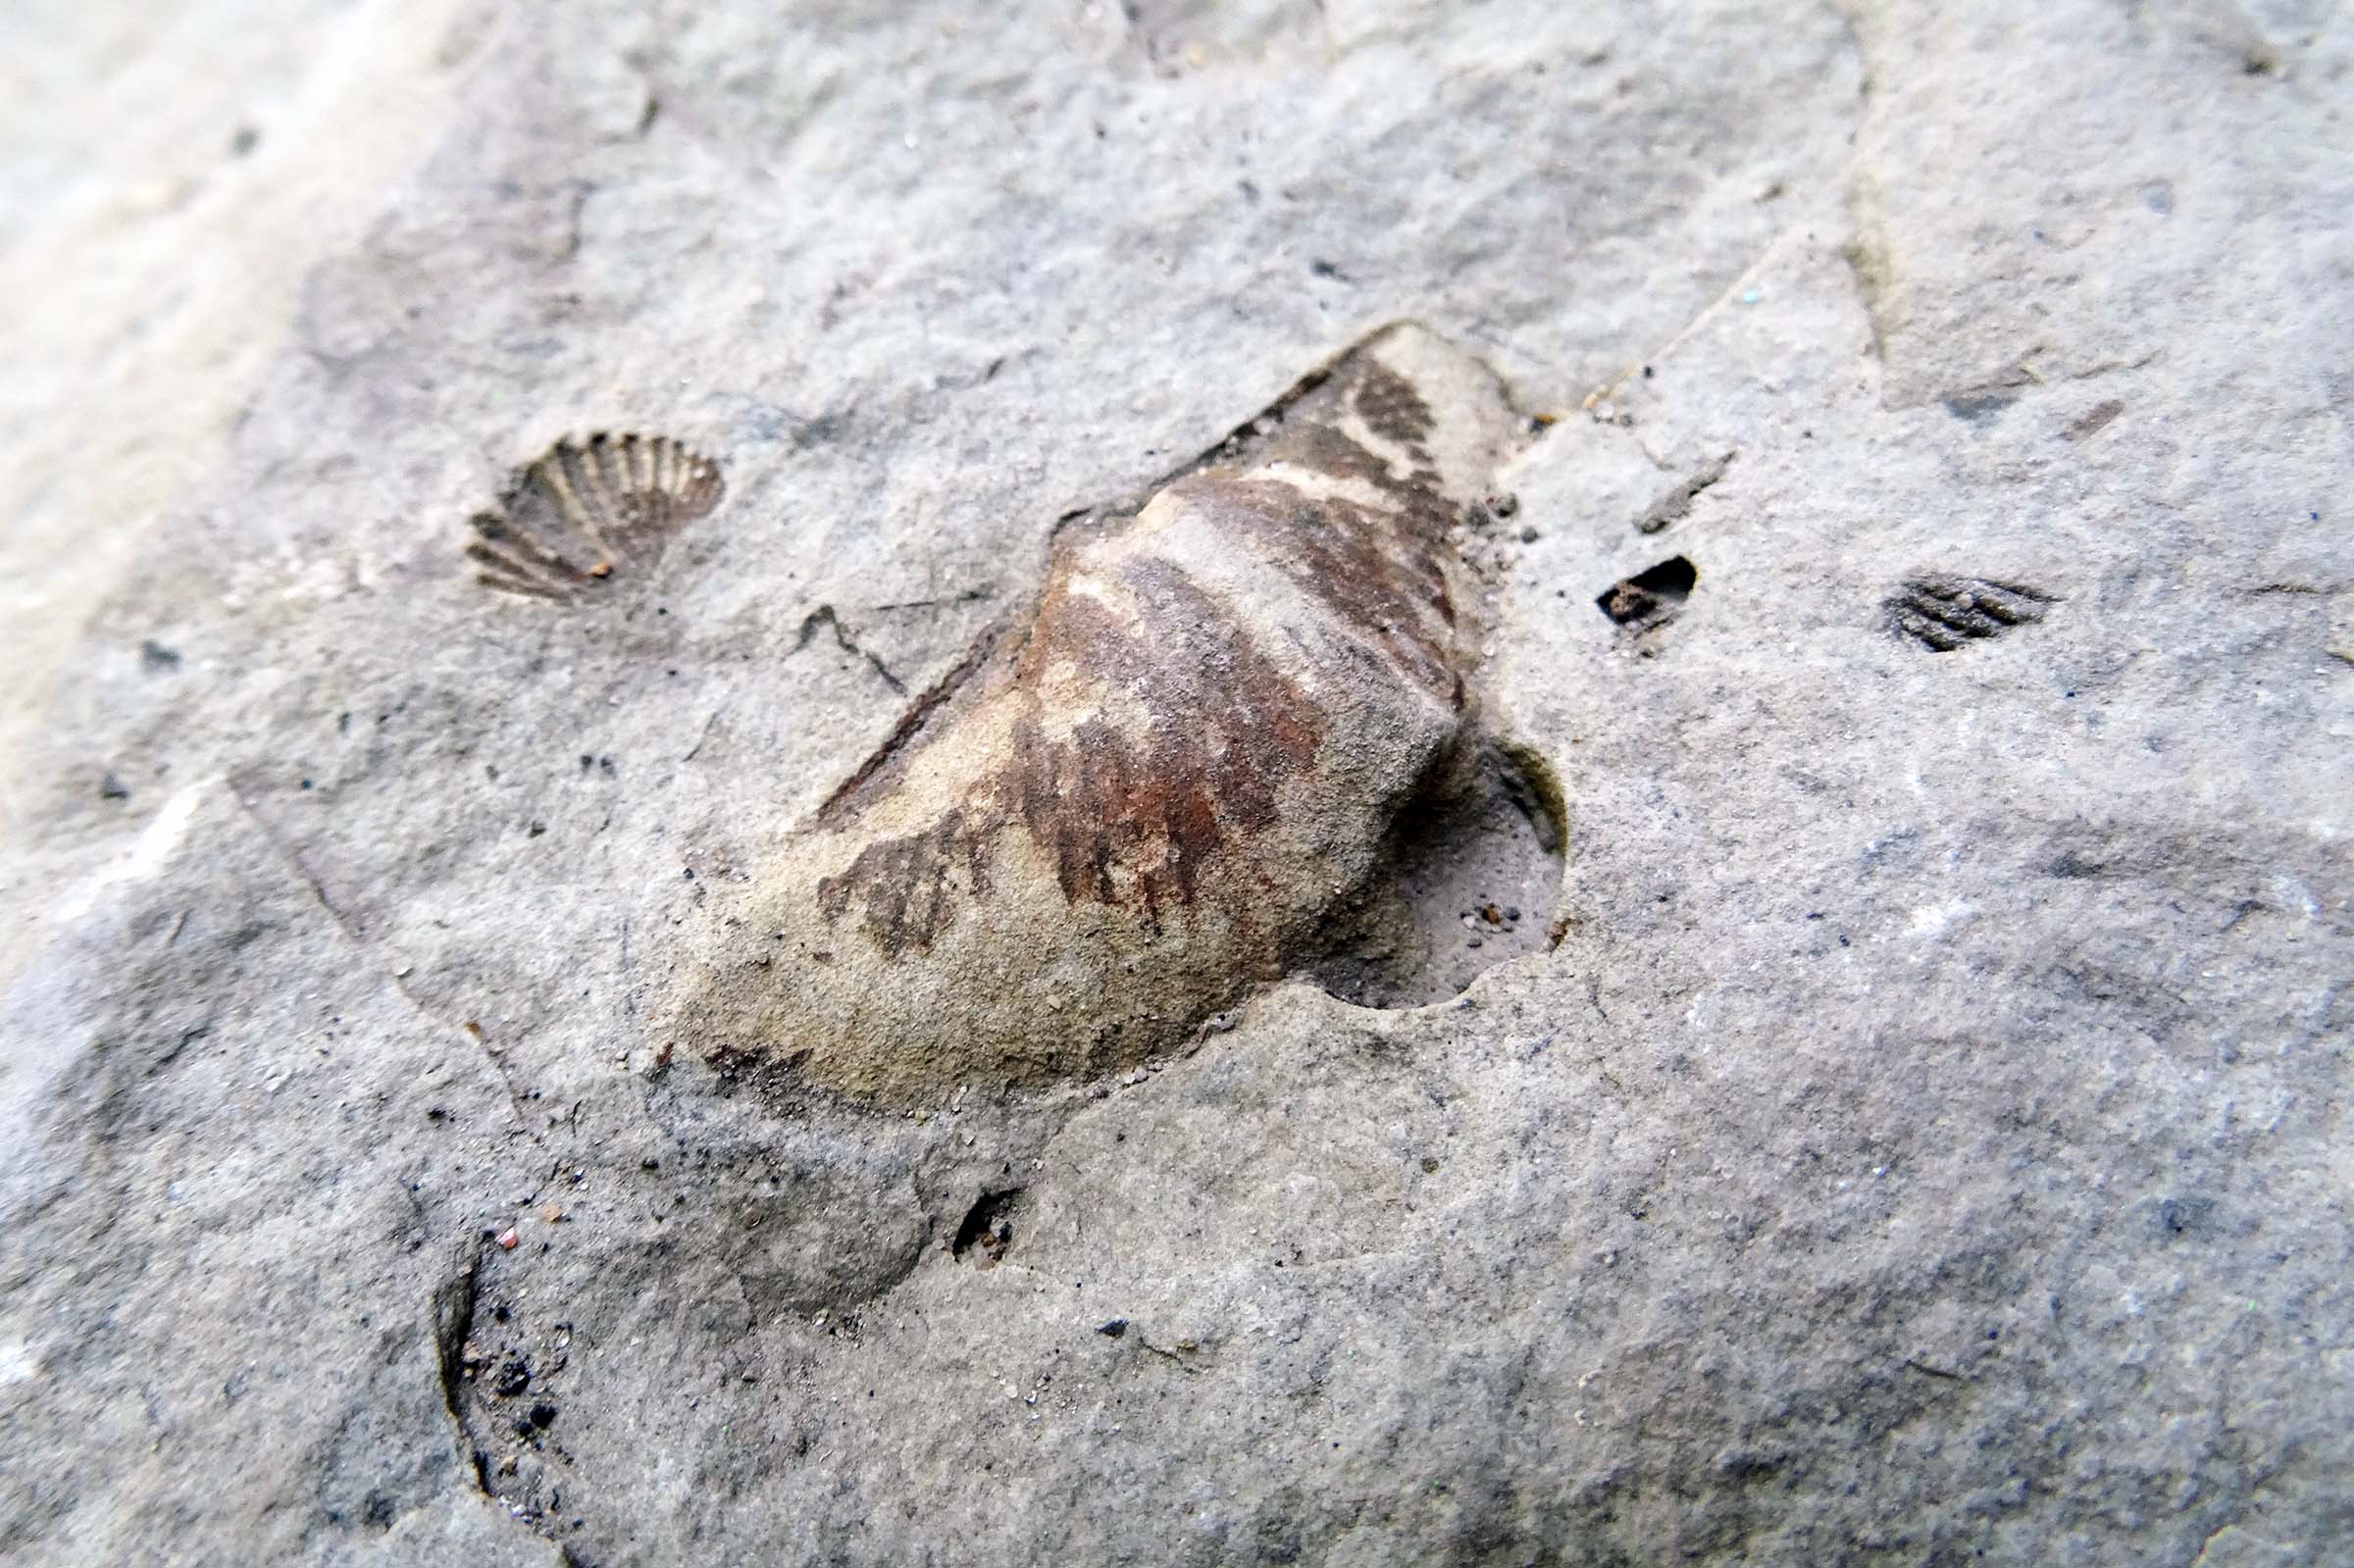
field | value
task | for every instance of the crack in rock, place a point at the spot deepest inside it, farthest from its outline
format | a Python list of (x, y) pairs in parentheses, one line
[(824, 616)]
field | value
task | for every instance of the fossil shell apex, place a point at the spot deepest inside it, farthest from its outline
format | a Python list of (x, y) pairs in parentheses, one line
[(586, 511), (1127, 816)]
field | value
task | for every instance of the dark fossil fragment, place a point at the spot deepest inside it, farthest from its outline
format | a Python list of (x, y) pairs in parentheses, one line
[(1941, 613), (584, 514)]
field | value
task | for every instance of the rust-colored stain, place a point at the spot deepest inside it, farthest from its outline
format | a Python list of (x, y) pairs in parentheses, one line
[(1124, 817), (1390, 407)]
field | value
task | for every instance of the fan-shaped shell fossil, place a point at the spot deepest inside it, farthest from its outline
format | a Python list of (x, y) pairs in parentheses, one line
[(585, 511), (1151, 797), (1941, 613)]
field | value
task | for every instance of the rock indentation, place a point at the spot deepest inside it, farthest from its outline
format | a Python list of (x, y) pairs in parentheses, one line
[(1116, 819), (1651, 597), (1471, 874), (584, 513)]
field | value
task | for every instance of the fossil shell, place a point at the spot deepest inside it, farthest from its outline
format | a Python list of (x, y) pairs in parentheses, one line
[(1122, 814), (1941, 613), (587, 511)]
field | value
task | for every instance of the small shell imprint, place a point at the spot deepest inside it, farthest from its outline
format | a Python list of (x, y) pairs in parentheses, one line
[(583, 511), (1941, 613), (1123, 815)]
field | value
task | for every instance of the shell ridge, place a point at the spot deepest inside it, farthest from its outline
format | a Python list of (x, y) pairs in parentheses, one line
[(593, 499)]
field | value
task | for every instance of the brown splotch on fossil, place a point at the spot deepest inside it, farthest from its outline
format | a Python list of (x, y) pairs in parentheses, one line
[(1146, 799), (1123, 814)]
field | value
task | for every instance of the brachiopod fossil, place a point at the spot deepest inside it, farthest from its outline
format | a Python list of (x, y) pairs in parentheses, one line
[(1151, 797), (583, 511)]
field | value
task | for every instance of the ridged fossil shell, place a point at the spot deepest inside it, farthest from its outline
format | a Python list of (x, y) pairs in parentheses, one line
[(1123, 815), (585, 512), (1941, 613)]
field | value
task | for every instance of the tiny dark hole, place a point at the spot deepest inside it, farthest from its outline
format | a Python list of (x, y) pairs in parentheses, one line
[(987, 1230), (1650, 594)]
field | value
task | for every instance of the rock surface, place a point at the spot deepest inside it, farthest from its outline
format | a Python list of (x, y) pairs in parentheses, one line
[(1925, 1144)]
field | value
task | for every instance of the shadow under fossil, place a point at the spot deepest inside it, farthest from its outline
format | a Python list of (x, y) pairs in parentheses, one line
[(1469, 877), (1239, 737)]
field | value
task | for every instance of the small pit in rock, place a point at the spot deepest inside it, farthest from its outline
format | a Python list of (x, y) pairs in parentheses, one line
[(1651, 596), (987, 1229), (1468, 880)]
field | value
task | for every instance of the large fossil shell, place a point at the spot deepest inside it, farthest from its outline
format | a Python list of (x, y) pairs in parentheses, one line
[(1145, 800), (585, 512)]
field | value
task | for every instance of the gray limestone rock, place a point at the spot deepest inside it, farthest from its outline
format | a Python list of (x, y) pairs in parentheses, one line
[(1914, 1130)]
